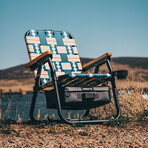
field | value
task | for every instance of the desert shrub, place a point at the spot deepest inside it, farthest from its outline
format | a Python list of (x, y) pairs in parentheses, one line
[(133, 105)]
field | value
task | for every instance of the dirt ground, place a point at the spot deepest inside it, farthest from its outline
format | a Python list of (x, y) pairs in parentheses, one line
[(134, 134)]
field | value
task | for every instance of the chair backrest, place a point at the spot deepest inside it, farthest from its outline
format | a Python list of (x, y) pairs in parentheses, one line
[(65, 55)]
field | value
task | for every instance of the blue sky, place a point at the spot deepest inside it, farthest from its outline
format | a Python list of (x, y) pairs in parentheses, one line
[(99, 26)]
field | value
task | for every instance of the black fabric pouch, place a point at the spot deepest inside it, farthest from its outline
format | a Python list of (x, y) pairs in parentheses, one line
[(79, 97)]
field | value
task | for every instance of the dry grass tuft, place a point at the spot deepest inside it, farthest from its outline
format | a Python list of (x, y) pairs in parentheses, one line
[(133, 104)]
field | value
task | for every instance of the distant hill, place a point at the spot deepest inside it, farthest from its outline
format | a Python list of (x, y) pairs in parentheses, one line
[(17, 72), (132, 62), (20, 72)]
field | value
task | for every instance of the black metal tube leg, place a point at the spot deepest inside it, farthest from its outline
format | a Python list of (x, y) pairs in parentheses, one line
[(35, 93), (33, 105), (54, 78), (115, 93)]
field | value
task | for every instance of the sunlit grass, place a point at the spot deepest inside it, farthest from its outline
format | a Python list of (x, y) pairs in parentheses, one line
[(133, 104)]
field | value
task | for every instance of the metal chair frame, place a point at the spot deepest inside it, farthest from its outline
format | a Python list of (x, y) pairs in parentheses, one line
[(48, 58)]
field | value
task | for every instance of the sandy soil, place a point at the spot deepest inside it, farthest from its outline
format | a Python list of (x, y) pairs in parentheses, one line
[(61, 135)]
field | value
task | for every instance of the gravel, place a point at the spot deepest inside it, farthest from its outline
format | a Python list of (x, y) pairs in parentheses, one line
[(56, 135)]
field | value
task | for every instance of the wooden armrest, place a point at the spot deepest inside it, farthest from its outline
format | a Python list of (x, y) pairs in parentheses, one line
[(98, 61), (38, 58)]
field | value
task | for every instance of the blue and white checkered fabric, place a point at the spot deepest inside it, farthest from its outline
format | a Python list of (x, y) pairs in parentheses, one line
[(65, 55)]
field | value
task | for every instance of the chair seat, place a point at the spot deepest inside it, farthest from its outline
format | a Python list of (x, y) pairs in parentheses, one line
[(83, 79)]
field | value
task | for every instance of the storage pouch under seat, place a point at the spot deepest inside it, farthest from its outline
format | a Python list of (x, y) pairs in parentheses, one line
[(79, 97)]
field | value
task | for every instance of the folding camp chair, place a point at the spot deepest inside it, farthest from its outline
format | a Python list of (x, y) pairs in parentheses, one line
[(56, 63)]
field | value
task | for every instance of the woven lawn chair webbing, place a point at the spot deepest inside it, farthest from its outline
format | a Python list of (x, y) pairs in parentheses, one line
[(65, 55), (82, 81)]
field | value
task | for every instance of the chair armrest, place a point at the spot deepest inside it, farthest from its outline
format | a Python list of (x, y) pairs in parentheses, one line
[(39, 58), (98, 61)]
